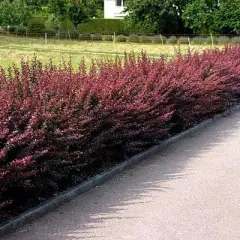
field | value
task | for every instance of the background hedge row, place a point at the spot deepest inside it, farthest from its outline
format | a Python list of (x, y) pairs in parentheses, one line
[(66, 28), (103, 26), (98, 25)]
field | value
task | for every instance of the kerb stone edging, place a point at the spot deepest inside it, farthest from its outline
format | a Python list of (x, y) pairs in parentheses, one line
[(99, 179)]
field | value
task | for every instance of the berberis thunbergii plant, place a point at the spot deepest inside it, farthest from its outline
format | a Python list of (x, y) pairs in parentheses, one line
[(59, 126)]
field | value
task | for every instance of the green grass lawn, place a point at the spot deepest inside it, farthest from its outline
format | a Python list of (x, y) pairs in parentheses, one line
[(14, 49)]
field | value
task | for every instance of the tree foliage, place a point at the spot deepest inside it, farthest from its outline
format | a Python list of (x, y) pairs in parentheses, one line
[(35, 5), (77, 13), (146, 16), (12, 13), (15, 11), (227, 18), (198, 16), (171, 16), (204, 16), (76, 10), (159, 15)]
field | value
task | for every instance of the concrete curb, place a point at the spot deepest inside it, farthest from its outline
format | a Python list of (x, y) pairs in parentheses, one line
[(99, 179)]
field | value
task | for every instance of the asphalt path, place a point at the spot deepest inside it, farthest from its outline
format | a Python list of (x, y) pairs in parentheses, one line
[(189, 191)]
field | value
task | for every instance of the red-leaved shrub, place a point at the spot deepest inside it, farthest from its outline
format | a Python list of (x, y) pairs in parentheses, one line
[(59, 126)]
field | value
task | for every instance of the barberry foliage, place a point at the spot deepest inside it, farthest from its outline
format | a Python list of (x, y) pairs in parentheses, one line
[(59, 126)]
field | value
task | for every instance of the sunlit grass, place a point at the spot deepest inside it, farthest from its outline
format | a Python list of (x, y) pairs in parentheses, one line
[(14, 49)]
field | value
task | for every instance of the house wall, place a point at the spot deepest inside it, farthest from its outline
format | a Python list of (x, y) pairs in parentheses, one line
[(113, 11)]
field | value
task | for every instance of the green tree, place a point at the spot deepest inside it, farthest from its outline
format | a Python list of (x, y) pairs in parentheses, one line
[(13, 13), (199, 15), (59, 7), (77, 12), (157, 15), (95, 8), (36, 5), (205, 16), (227, 18)]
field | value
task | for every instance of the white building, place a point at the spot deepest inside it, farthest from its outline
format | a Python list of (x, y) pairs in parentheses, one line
[(114, 9)]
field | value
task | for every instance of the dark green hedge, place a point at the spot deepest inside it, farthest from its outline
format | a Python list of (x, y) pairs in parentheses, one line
[(109, 27), (36, 25), (103, 26)]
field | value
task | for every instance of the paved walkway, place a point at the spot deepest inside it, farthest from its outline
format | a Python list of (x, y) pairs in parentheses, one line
[(190, 191)]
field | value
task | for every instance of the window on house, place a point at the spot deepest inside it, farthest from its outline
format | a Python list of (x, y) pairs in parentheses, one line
[(119, 3)]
